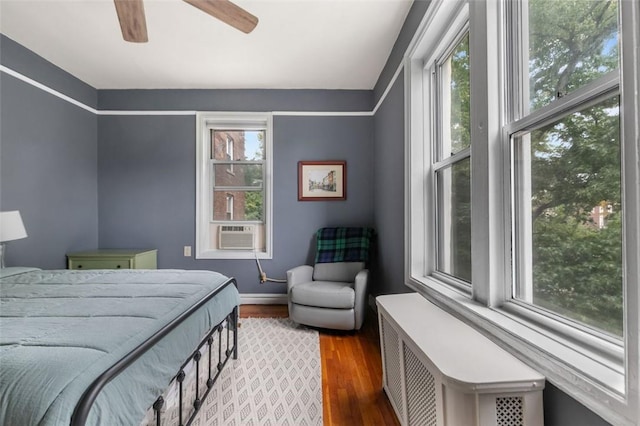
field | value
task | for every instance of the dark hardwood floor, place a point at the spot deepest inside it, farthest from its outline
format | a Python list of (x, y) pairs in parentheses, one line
[(351, 372)]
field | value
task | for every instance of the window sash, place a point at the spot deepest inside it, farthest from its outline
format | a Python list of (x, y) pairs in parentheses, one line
[(447, 225), (449, 161), (214, 166), (591, 94), (522, 231), (435, 95), (523, 122), (441, 94)]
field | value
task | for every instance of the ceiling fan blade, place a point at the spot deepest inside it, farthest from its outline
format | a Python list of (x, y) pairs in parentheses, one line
[(132, 21), (228, 13)]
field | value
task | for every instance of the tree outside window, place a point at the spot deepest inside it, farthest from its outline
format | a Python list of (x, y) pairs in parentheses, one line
[(570, 164)]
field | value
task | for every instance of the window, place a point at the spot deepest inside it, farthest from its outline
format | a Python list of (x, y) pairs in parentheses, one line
[(234, 185), (523, 211), (566, 161), (452, 168)]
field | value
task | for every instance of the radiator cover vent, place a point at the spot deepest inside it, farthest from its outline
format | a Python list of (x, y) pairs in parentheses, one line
[(421, 391), (510, 411), (392, 364)]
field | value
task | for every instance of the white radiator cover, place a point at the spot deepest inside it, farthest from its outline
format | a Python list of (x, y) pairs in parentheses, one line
[(438, 371)]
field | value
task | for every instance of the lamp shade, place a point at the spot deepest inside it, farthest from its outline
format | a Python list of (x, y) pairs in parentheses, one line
[(11, 226)]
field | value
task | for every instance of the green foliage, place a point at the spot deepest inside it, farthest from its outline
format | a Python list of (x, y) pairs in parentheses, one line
[(253, 205), (460, 99), (253, 176), (568, 45), (576, 161), (254, 200), (577, 269), (576, 165), (461, 239), (460, 127)]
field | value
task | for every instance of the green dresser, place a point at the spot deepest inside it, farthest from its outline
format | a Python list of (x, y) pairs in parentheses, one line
[(113, 259)]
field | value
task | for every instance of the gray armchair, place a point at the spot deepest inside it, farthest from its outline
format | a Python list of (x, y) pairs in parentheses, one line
[(332, 293)]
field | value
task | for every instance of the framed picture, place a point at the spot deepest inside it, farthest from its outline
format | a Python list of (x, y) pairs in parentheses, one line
[(322, 180)]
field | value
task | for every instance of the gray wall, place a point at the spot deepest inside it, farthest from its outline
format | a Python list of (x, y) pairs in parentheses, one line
[(562, 410), (236, 100), (48, 161), (389, 193), (14, 56), (411, 23), (146, 178)]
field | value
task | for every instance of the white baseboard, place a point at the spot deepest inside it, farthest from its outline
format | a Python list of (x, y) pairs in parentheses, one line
[(263, 299)]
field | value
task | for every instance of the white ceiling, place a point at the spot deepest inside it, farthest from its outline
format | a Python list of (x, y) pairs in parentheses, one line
[(298, 44)]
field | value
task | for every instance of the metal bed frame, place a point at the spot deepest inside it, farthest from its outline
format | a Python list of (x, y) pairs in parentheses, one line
[(81, 411)]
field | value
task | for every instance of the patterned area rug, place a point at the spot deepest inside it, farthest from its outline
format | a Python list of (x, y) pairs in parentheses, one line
[(276, 381)]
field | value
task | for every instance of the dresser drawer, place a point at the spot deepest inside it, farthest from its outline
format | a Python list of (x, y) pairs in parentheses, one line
[(99, 264), (113, 259)]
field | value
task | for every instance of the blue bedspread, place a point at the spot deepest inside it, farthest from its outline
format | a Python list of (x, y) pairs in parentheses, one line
[(59, 330)]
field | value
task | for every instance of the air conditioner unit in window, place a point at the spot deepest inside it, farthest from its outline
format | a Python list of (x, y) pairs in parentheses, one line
[(234, 237)]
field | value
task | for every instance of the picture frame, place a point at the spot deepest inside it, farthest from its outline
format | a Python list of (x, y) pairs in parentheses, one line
[(322, 180)]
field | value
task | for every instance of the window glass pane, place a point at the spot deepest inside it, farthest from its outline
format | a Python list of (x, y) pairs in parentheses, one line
[(569, 183), (454, 84), (237, 145), (570, 43), (454, 219), (238, 205), (238, 175)]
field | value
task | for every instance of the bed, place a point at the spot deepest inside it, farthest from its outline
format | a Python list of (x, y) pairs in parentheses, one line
[(99, 347)]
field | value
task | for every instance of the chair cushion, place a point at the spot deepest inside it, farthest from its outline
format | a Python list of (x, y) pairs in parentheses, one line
[(324, 294), (341, 271), (337, 319)]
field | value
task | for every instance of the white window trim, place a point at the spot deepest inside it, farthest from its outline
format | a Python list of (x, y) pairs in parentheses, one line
[(434, 89), (230, 152), (593, 377), (230, 201), (230, 120)]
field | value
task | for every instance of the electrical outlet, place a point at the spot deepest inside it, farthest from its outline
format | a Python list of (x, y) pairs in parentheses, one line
[(187, 251)]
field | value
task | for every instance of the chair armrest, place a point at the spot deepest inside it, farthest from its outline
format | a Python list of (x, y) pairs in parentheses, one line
[(299, 274), (360, 287)]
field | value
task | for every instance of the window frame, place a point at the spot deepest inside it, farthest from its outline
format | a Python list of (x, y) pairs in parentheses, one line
[(205, 123), (591, 368), (435, 91)]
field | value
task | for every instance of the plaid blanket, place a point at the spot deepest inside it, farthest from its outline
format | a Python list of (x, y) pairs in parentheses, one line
[(343, 244)]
